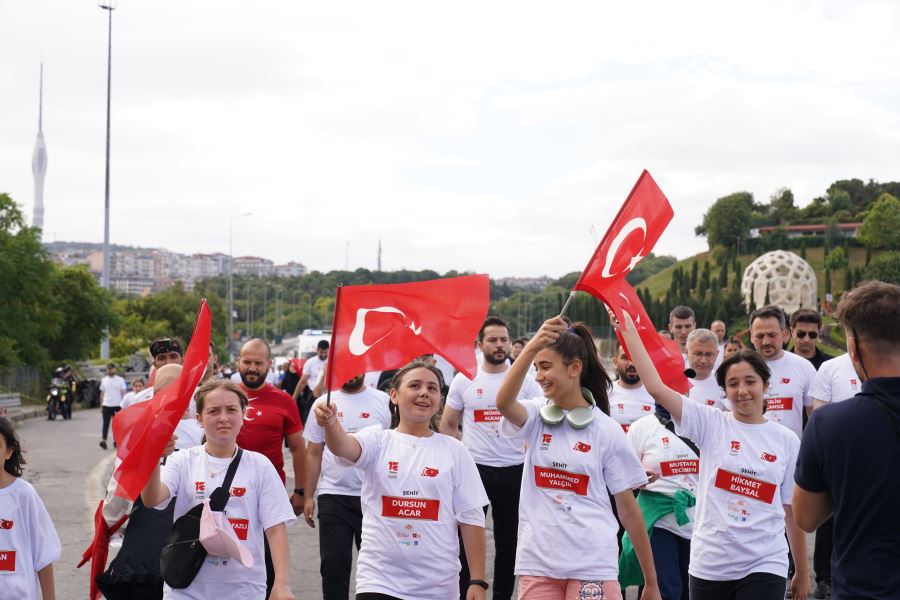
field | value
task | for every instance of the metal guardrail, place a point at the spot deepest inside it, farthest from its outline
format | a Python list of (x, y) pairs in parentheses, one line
[(26, 381)]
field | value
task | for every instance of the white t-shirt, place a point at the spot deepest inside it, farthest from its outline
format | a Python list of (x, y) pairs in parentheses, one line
[(746, 478), (707, 391), (143, 396), (355, 412), (28, 540), (664, 453), (788, 393), (836, 380), (313, 368), (566, 526), (476, 399), (113, 389), (414, 491), (371, 379), (258, 501), (628, 405), (189, 434)]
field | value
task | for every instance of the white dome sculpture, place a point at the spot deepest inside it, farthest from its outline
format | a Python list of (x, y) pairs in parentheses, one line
[(789, 279)]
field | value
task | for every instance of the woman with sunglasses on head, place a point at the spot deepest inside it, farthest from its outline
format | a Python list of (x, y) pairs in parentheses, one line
[(738, 547), (567, 530)]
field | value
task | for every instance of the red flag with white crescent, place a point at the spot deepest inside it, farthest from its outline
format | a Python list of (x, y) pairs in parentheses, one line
[(632, 235), (380, 327)]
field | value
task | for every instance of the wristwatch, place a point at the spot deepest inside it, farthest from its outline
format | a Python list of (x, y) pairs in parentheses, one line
[(479, 582), (298, 491)]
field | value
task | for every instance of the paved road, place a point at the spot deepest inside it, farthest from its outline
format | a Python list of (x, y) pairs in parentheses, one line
[(69, 471)]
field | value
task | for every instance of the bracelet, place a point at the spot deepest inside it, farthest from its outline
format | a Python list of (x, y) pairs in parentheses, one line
[(298, 491), (479, 582)]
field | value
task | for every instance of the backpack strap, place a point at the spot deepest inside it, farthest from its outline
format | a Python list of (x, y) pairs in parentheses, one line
[(668, 424), (219, 498)]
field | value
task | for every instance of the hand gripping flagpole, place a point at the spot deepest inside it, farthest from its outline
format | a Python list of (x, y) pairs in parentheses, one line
[(565, 307), (331, 348)]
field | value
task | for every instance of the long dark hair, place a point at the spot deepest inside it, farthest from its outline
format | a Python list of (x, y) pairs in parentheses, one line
[(578, 342), (13, 464)]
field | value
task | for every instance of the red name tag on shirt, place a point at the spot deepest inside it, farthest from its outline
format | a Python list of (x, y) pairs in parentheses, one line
[(689, 466), (742, 485), (557, 479), (410, 508), (780, 403), (240, 527), (7, 560), (488, 415)]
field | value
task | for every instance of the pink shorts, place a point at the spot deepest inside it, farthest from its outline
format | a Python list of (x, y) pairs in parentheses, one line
[(533, 587)]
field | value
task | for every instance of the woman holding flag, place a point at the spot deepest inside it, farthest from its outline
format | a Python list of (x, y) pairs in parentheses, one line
[(567, 531), (738, 548), (419, 486)]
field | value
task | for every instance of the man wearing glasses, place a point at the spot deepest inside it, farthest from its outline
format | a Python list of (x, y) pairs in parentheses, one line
[(702, 352), (805, 327)]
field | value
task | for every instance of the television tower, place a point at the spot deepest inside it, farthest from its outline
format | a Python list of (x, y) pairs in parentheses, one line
[(379, 255), (39, 162)]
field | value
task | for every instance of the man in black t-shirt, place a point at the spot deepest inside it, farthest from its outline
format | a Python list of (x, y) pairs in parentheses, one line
[(850, 455)]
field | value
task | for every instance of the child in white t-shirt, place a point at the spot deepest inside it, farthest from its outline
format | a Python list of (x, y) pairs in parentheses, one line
[(738, 547), (567, 546), (418, 487), (258, 504), (28, 542)]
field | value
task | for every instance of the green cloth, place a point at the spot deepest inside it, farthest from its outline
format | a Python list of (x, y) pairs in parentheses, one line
[(654, 506)]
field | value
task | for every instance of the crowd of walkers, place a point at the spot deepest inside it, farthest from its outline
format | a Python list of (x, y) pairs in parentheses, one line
[(593, 484)]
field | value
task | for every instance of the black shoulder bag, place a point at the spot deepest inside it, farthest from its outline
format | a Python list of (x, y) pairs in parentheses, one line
[(183, 554)]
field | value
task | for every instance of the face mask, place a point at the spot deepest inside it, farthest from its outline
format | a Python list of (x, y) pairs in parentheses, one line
[(578, 418)]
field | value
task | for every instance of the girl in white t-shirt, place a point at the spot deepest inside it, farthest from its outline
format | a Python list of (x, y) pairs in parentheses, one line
[(28, 542), (418, 487), (258, 504), (567, 546), (738, 548)]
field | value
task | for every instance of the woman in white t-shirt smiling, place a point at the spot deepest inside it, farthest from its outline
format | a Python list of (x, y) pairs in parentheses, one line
[(567, 531), (738, 548), (418, 487), (258, 504)]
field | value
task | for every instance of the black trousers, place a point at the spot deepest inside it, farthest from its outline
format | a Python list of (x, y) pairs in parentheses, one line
[(822, 551), (340, 526), (755, 586), (374, 596), (502, 485), (108, 413), (671, 555)]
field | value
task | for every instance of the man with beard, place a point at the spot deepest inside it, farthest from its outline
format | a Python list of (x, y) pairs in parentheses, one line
[(628, 400), (339, 483), (499, 460), (702, 349)]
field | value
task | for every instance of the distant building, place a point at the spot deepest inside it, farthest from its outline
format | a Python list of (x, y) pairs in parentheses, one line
[(253, 266), (291, 269), (813, 230)]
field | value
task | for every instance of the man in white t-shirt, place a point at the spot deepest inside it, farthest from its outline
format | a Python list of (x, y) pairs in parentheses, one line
[(312, 368), (836, 380), (112, 390), (628, 400), (719, 328), (702, 349), (339, 484), (681, 323), (792, 375), (499, 460)]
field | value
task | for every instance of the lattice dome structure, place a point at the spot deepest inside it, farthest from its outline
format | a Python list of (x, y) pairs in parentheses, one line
[(788, 279)]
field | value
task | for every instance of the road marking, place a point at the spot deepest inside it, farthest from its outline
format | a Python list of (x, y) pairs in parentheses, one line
[(96, 484)]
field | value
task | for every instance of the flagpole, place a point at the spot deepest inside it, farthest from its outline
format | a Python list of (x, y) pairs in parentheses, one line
[(568, 302), (328, 369)]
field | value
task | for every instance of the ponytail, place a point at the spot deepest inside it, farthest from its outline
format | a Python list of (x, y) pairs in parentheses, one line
[(578, 342)]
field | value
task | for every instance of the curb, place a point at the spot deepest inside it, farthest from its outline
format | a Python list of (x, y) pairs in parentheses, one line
[(32, 412)]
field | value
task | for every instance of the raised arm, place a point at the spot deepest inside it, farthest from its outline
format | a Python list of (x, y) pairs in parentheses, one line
[(154, 492), (663, 394), (507, 404), (338, 441)]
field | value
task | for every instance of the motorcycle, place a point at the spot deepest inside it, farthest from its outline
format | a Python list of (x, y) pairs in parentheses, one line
[(59, 400)]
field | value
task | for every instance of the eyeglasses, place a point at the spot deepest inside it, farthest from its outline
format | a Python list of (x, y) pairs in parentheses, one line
[(802, 334), (706, 355)]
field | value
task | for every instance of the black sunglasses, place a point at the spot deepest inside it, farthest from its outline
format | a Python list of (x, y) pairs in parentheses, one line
[(802, 334)]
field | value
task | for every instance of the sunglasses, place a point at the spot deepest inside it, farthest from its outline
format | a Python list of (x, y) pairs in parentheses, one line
[(802, 334)]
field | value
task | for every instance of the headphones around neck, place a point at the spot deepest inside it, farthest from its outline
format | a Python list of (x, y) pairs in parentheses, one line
[(578, 418)]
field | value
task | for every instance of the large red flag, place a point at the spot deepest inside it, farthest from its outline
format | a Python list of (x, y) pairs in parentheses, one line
[(632, 235), (379, 327), (142, 430)]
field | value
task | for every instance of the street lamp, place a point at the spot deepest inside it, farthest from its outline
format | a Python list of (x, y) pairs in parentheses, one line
[(109, 6), (231, 283)]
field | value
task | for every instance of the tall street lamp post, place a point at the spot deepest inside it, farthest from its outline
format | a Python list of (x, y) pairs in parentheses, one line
[(109, 6)]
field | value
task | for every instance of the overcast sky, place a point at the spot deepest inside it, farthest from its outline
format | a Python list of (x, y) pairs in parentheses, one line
[(481, 136)]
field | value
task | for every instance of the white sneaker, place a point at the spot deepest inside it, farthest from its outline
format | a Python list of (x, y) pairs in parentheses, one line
[(116, 540)]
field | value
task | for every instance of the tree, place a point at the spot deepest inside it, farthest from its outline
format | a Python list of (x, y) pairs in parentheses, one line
[(781, 206), (885, 267), (86, 310), (836, 259), (881, 229), (727, 220)]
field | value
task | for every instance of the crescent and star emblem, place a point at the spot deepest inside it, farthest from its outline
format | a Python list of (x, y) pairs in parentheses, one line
[(358, 347), (613, 251)]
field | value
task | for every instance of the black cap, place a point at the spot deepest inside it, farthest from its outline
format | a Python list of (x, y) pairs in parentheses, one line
[(162, 345)]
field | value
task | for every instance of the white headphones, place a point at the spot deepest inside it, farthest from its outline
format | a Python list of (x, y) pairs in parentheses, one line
[(578, 418)]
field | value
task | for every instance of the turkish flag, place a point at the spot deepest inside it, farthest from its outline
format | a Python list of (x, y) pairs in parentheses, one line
[(142, 430), (381, 327), (632, 235), (98, 551), (297, 363)]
